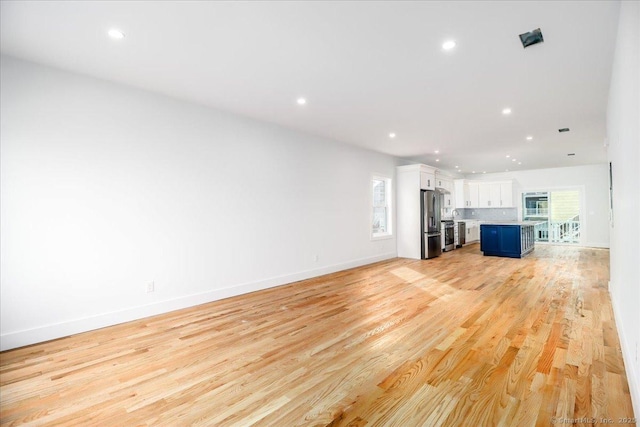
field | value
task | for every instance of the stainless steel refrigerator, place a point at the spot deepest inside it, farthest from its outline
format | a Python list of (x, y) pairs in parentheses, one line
[(430, 224)]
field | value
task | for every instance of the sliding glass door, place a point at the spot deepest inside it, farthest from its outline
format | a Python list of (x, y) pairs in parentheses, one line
[(557, 213)]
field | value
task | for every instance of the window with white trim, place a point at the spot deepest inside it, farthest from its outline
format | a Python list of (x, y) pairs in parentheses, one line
[(381, 207)]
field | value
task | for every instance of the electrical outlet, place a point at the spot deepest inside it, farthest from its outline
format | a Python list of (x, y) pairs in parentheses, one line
[(151, 287)]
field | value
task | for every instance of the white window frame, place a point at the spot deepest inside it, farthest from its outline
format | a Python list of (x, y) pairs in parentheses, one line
[(389, 205)]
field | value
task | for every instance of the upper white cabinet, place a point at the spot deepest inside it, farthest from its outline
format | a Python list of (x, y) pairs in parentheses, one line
[(480, 194), (496, 195), (427, 180), (459, 192), (445, 182), (467, 193), (462, 195), (506, 194), (489, 195), (472, 197), (449, 201)]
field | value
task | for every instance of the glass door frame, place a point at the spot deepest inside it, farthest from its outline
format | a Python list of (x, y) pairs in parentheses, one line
[(549, 190)]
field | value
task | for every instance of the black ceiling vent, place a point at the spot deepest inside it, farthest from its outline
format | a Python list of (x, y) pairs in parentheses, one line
[(563, 130), (531, 38), (571, 154)]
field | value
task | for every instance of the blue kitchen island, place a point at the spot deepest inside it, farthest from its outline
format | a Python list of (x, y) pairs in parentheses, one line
[(508, 239)]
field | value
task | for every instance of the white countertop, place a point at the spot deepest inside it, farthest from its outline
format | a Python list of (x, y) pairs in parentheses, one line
[(510, 222), (484, 221)]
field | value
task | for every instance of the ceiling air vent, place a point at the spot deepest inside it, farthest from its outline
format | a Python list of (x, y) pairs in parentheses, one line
[(563, 130), (531, 38), (571, 154)]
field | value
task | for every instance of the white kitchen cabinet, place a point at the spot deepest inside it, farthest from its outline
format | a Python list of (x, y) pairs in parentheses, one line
[(459, 193), (506, 194), (484, 196), (449, 201), (409, 181), (427, 180), (494, 196), (446, 182), (450, 198), (472, 195), (489, 195), (479, 194), (473, 231)]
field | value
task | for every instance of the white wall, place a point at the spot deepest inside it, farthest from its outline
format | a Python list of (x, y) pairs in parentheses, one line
[(593, 180), (106, 188), (623, 129)]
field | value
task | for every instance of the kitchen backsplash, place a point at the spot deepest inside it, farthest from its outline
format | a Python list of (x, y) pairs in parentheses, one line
[(488, 214)]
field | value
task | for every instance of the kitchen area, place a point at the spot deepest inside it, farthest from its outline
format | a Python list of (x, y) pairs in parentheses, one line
[(438, 212)]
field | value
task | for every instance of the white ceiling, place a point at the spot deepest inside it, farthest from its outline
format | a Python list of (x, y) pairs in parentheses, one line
[(366, 69)]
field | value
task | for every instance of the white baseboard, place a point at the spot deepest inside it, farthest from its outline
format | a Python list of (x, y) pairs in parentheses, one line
[(627, 344), (63, 329), (597, 245)]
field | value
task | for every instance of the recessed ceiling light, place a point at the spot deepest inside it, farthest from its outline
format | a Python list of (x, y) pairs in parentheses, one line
[(437, 151), (519, 163), (529, 138), (456, 167), (392, 135), (484, 171), (506, 111), (506, 170), (115, 34), (437, 160), (508, 155), (301, 101), (473, 171), (513, 160), (448, 45)]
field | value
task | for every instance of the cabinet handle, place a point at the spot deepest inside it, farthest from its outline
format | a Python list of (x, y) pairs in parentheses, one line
[(428, 183)]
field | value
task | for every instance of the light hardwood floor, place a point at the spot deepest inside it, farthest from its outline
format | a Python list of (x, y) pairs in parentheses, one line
[(460, 340)]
